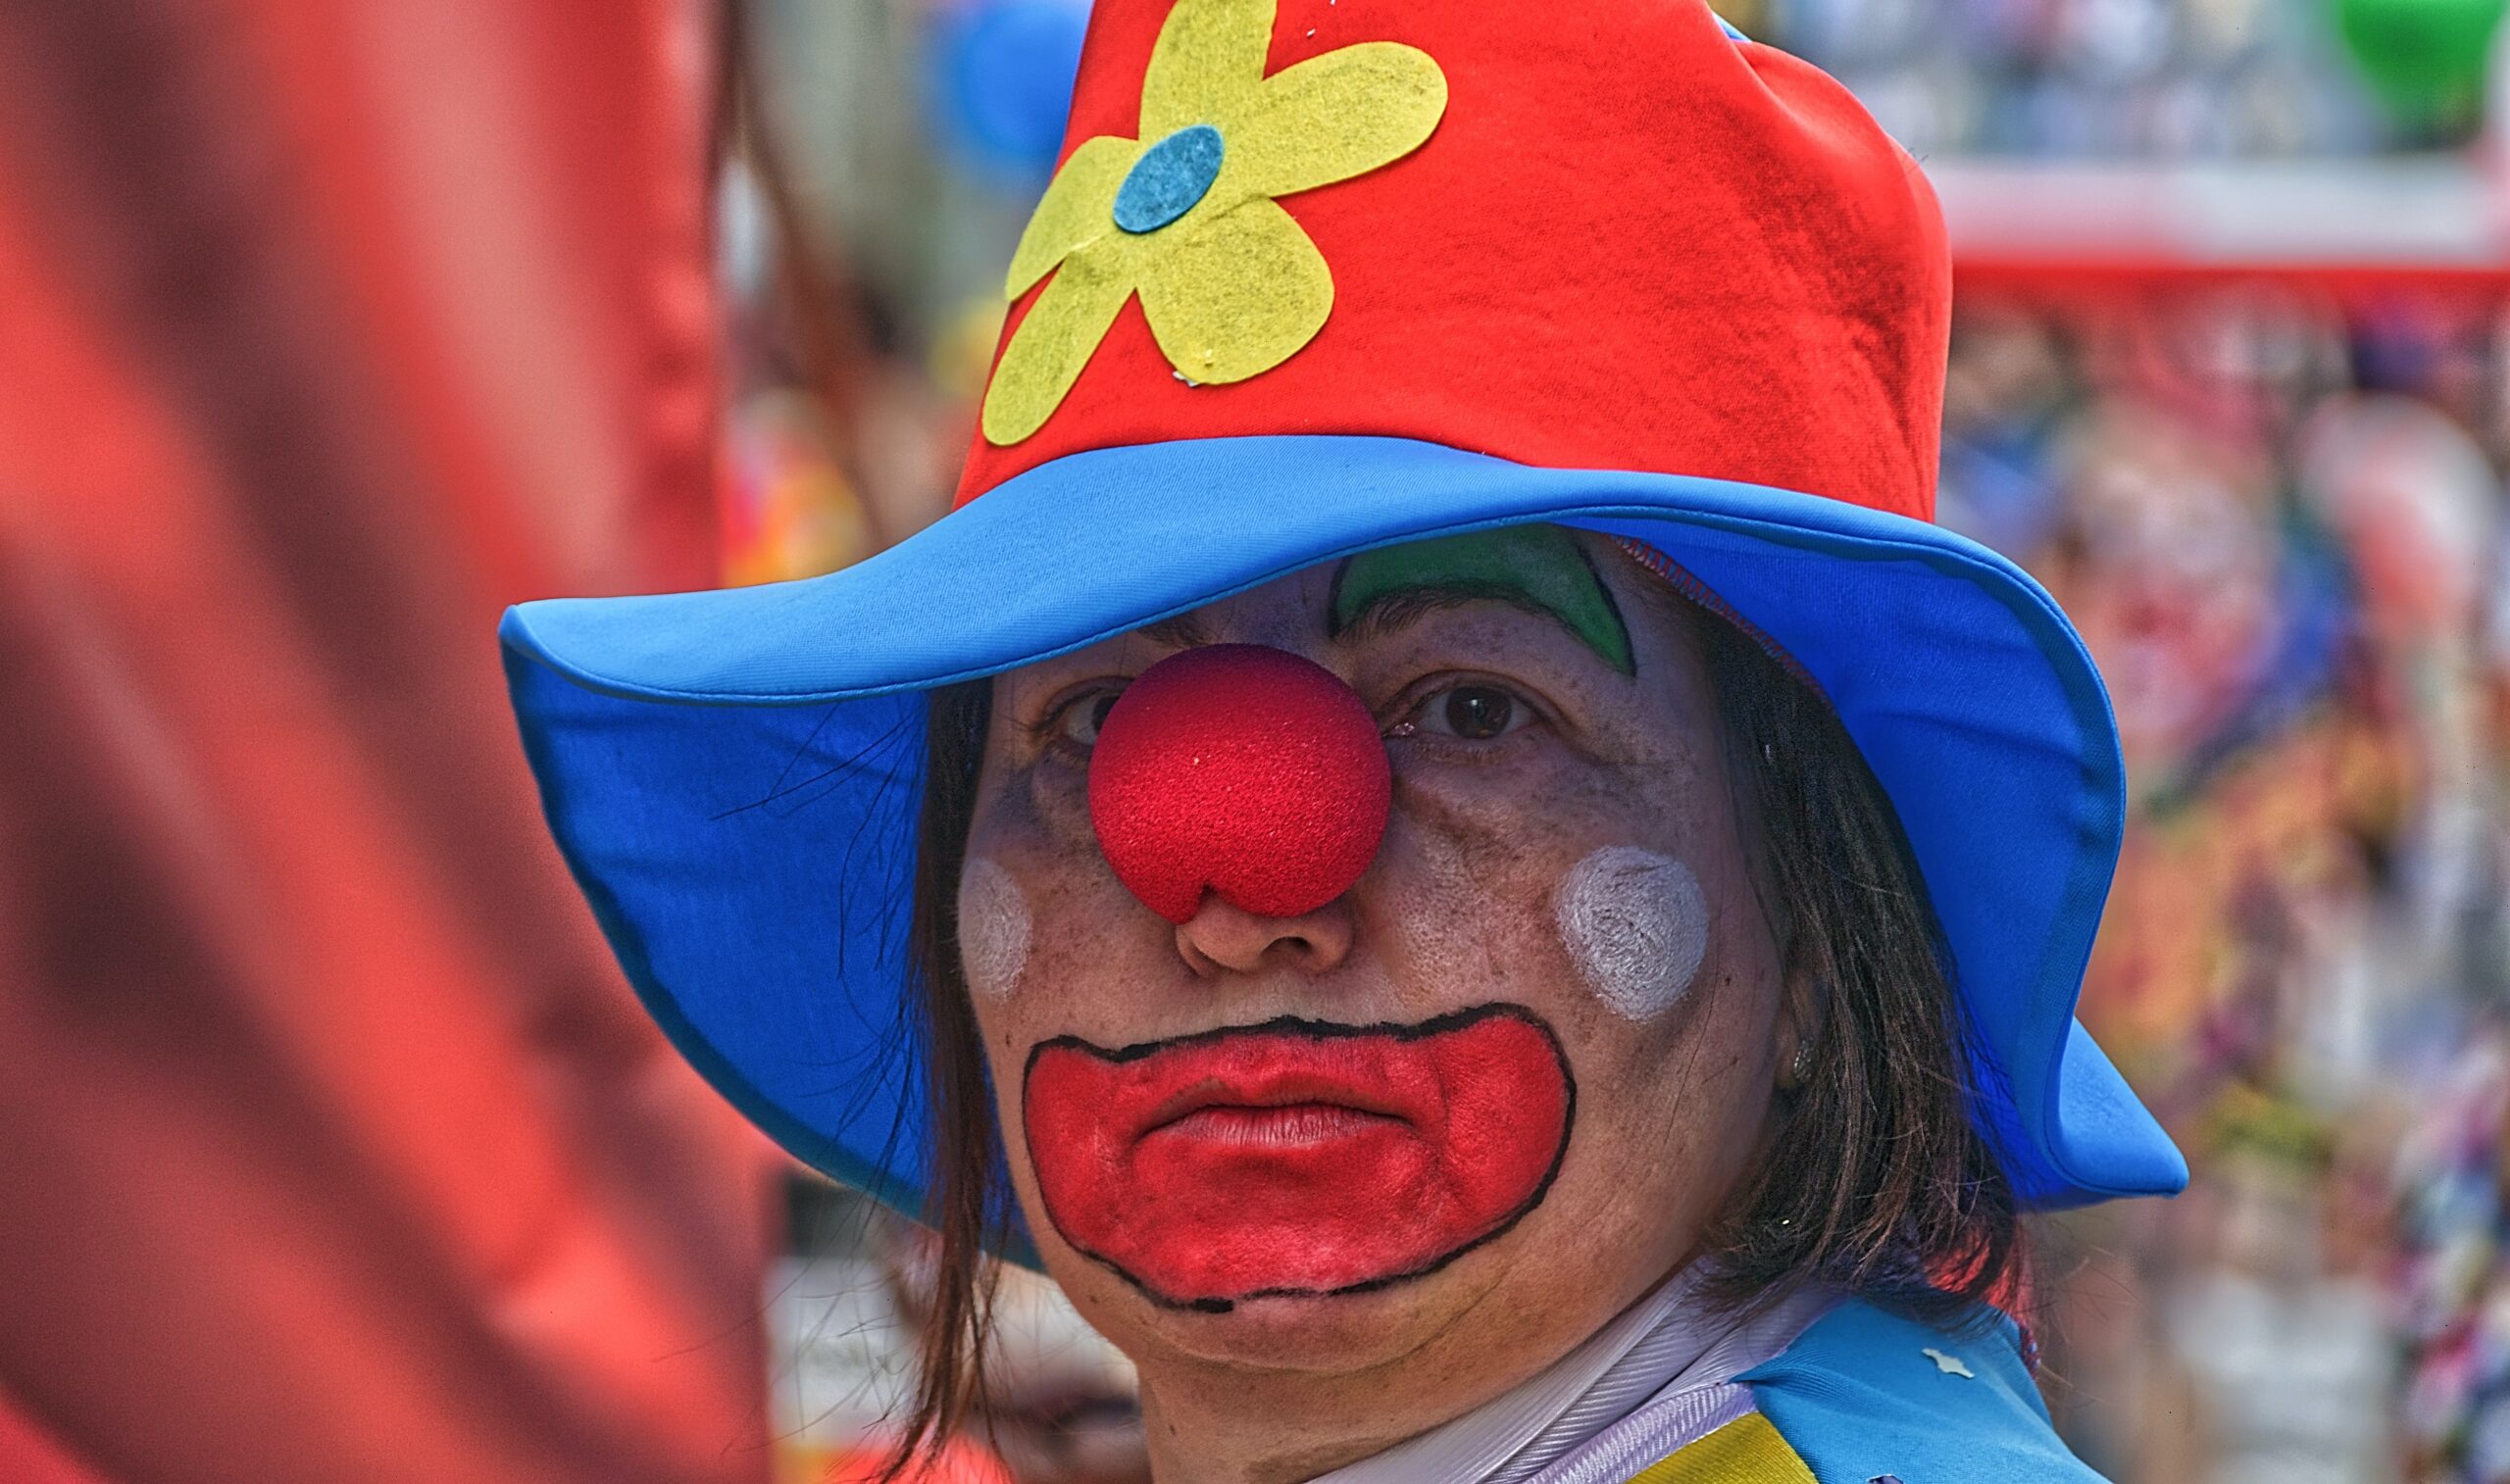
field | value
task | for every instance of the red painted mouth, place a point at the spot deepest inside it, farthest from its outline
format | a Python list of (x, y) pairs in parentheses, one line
[(1298, 1157)]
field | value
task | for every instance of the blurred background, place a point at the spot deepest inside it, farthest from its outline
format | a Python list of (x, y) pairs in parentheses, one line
[(331, 1145)]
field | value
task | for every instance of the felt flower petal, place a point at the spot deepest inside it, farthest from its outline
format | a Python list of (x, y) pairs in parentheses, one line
[(1078, 210), (1206, 67), (1337, 115), (1055, 341), (1236, 293)]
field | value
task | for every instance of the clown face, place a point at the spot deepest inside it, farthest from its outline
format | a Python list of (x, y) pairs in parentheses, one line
[(1454, 1100)]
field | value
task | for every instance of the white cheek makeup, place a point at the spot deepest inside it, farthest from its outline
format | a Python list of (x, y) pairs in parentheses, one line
[(993, 929), (1635, 925)]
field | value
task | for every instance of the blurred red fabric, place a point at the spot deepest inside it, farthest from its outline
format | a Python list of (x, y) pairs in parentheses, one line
[(331, 1145)]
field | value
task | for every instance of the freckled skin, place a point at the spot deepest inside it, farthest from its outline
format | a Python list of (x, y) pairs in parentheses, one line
[(1457, 910)]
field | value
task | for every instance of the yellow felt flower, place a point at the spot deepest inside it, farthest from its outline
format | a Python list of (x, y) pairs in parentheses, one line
[(1185, 215)]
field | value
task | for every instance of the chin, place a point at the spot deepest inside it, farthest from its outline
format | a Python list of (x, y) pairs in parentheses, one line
[(1321, 1333)]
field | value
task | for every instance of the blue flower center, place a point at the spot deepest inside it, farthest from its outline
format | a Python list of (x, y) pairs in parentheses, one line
[(1169, 179)]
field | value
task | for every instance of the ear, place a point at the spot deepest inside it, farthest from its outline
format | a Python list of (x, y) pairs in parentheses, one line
[(1803, 1017)]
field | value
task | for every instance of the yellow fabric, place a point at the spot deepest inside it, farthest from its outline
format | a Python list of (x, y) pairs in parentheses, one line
[(1745, 1451), (1077, 209), (1233, 287)]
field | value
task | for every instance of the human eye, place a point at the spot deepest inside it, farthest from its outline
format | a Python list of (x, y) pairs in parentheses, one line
[(1072, 723), (1466, 710)]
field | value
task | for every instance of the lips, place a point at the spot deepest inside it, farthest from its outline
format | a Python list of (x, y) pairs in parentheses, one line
[(1297, 1157)]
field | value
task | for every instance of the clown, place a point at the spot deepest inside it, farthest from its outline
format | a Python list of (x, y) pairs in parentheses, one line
[(1439, 838)]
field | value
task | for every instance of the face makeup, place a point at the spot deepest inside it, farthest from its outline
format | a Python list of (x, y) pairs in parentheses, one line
[(1537, 567), (1296, 1157), (1635, 924), (1215, 1124), (994, 928)]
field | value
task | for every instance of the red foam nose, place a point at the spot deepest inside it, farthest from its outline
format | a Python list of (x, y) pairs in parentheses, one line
[(1240, 769)]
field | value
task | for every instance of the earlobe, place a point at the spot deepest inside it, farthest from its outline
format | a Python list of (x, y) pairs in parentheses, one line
[(1804, 1013)]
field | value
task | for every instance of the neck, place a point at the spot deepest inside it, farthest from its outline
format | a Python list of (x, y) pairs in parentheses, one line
[(1233, 1425), (1213, 1423)]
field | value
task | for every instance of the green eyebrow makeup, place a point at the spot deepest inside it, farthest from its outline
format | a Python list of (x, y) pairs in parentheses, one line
[(1535, 566)]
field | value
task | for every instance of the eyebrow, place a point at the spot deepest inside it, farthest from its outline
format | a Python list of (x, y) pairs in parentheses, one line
[(1398, 608), (1185, 630), (1539, 569)]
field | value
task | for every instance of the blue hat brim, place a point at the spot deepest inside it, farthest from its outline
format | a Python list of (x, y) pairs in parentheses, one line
[(734, 776)]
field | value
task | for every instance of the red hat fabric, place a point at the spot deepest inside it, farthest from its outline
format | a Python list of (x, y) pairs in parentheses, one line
[(1628, 242)]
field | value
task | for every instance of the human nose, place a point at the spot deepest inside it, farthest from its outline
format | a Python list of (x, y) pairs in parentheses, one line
[(1222, 937)]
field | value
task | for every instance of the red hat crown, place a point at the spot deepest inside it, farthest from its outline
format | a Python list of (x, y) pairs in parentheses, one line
[(1600, 236)]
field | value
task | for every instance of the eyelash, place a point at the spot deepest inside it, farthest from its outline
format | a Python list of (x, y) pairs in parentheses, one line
[(1048, 729), (1527, 713), (1407, 729)]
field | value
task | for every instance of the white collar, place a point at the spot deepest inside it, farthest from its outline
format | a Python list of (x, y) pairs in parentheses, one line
[(1665, 1338)]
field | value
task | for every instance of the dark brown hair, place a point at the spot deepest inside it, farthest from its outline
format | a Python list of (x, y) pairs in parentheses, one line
[(1875, 1178)]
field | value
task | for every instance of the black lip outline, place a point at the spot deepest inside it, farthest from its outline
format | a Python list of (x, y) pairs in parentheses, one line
[(1322, 1030)]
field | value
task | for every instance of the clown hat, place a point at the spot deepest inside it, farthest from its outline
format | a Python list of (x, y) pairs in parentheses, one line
[(1314, 278)]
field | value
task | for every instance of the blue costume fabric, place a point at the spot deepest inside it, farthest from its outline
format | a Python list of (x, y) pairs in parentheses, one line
[(1867, 1394)]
